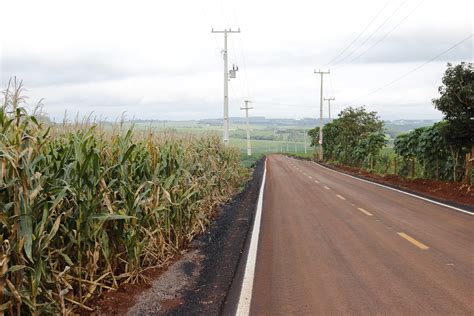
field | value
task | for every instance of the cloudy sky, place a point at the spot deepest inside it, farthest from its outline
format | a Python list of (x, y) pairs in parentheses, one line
[(159, 60)]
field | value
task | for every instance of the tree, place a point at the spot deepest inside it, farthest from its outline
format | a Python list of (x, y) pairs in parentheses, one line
[(406, 146), (456, 101), (355, 135), (314, 136), (427, 145), (431, 150), (369, 147)]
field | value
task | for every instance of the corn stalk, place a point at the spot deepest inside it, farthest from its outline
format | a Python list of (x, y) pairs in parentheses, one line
[(85, 210)]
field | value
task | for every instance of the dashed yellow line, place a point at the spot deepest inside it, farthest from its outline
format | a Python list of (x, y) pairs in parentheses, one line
[(414, 241), (364, 211), (340, 196)]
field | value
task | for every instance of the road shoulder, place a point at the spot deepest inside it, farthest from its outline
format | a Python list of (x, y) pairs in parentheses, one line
[(219, 252), (384, 182)]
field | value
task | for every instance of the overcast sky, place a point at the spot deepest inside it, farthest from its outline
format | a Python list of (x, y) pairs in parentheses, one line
[(159, 60)]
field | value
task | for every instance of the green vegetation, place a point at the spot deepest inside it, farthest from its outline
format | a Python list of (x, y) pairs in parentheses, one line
[(444, 150), (427, 146), (249, 161), (85, 210), (355, 138), (265, 139), (301, 154), (267, 135)]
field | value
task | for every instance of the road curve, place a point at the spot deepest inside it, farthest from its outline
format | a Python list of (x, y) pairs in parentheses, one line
[(330, 245)]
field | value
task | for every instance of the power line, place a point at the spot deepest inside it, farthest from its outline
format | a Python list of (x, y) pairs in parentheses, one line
[(242, 92), (218, 47), (372, 34), (289, 105), (237, 22), (245, 64), (389, 32), (358, 36), (331, 86), (233, 46), (414, 69)]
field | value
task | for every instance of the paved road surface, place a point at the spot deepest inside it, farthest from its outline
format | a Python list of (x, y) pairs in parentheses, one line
[(330, 244)]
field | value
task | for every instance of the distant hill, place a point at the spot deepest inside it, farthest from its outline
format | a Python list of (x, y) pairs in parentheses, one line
[(398, 127), (393, 128), (261, 120)]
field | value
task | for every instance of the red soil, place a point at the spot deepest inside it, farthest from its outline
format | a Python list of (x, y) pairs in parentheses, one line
[(118, 302)]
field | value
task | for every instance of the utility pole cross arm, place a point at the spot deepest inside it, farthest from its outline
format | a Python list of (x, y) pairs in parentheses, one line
[(226, 31)]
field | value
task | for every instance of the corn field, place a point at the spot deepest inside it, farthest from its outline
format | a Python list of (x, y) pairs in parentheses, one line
[(83, 211)]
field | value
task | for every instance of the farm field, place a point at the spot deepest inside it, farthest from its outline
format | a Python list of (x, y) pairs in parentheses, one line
[(86, 209), (264, 138)]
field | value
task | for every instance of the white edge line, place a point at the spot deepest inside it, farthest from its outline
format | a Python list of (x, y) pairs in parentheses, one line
[(243, 307), (400, 191)]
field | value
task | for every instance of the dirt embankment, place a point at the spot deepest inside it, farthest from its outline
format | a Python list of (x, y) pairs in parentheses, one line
[(452, 192), (197, 282)]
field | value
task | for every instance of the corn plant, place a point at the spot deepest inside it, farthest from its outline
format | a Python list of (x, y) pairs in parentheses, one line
[(85, 210)]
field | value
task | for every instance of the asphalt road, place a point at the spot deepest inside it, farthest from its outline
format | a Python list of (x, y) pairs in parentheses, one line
[(330, 245)]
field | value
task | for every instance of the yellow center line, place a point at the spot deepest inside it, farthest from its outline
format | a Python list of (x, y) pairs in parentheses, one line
[(414, 241), (340, 196), (364, 211), (327, 188)]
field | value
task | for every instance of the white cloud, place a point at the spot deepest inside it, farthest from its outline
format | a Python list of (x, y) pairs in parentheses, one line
[(157, 59)]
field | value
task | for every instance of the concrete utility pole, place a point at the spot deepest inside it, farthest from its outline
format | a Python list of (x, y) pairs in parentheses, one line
[(226, 83), (247, 108), (304, 135), (321, 153), (329, 106)]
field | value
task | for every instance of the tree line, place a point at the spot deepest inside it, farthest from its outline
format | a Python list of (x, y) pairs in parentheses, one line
[(355, 137), (443, 151)]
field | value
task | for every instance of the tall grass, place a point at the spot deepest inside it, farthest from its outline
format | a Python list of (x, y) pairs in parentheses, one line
[(83, 211)]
